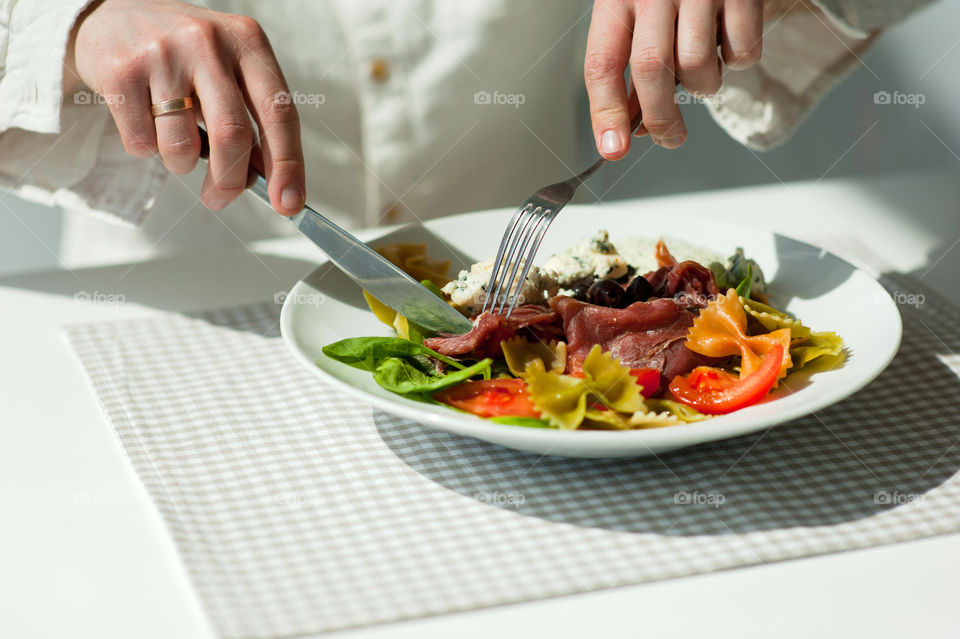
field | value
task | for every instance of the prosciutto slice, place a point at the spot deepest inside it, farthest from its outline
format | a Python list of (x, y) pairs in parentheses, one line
[(690, 283), (489, 329), (642, 335)]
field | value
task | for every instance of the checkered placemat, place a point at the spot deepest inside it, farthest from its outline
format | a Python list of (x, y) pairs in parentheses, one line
[(297, 510)]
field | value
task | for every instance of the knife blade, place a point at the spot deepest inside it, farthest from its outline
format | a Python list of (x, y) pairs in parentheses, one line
[(370, 270), (378, 276)]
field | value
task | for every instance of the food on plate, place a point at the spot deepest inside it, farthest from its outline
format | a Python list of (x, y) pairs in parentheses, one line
[(412, 258), (601, 338)]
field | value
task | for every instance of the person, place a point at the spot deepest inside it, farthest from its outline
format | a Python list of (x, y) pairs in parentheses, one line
[(377, 111)]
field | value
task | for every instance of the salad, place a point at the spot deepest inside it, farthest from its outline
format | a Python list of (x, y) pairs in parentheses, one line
[(601, 338)]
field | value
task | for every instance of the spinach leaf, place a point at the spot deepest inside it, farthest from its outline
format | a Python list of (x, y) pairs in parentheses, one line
[(401, 376), (368, 352)]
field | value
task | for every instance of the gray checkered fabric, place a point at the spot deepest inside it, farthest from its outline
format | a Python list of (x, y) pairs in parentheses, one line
[(298, 510)]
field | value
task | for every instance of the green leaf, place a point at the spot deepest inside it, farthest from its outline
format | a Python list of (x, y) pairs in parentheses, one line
[(368, 352), (401, 376), (433, 288), (721, 275), (743, 288), (529, 422)]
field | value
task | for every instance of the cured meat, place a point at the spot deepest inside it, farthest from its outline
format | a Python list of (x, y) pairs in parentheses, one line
[(690, 283), (642, 335), (489, 329), (663, 255)]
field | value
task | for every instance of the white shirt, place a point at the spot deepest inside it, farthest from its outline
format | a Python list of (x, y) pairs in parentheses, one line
[(410, 109)]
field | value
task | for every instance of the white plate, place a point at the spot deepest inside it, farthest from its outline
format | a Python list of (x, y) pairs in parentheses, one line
[(825, 292)]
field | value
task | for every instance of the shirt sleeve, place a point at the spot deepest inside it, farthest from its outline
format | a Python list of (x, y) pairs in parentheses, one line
[(58, 151), (806, 51)]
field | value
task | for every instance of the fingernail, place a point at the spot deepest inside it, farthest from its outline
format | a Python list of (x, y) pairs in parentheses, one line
[(291, 198), (610, 142), (672, 143), (216, 205)]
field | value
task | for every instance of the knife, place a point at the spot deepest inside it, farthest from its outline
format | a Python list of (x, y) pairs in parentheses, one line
[(370, 270)]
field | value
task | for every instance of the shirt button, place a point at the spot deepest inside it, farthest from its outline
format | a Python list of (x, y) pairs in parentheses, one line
[(379, 70)]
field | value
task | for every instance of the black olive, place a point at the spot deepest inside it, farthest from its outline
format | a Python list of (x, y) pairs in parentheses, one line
[(626, 277), (580, 289), (638, 290), (607, 292)]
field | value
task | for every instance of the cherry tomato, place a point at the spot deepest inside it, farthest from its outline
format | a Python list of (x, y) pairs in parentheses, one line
[(490, 398), (715, 391), (649, 378)]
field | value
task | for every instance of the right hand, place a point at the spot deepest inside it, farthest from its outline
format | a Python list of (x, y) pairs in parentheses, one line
[(663, 42), (142, 52)]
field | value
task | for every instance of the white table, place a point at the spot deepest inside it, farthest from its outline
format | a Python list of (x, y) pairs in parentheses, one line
[(83, 552)]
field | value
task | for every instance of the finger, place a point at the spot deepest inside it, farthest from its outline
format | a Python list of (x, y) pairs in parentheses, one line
[(276, 115), (634, 108), (698, 65), (231, 136), (652, 72), (177, 137), (608, 50), (741, 33), (129, 102)]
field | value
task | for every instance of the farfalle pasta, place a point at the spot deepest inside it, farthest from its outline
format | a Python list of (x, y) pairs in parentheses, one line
[(521, 353), (721, 331), (412, 259)]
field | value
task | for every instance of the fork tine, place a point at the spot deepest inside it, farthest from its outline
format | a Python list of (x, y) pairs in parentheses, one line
[(504, 241), (520, 247), (503, 265), (537, 236), (510, 255)]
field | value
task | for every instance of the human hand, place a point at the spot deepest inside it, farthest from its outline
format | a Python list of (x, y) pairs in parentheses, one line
[(142, 52), (663, 41)]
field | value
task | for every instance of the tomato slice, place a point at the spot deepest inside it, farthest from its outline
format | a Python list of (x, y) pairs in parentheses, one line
[(649, 378), (490, 398), (715, 391)]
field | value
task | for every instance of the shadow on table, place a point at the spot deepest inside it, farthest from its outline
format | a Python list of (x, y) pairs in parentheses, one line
[(183, 284), (889, 444), (191, 282)]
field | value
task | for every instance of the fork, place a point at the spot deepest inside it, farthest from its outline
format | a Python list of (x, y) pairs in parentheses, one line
[(526, 228)]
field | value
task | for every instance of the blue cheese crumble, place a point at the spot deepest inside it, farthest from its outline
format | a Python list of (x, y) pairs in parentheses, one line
[(593, 257), (469, 291)]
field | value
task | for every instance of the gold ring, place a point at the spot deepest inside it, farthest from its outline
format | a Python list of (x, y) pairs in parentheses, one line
[(172, 106)]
